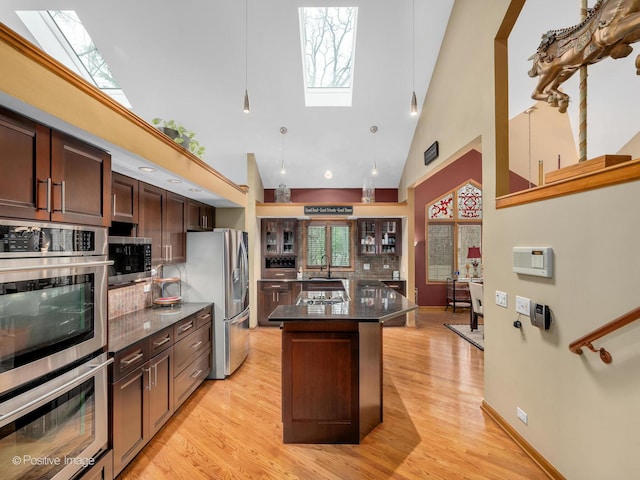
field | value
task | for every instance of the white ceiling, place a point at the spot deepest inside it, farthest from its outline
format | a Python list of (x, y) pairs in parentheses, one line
[(186, 61)]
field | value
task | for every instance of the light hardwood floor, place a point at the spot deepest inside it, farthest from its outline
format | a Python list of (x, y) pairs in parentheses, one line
[(433, 426)]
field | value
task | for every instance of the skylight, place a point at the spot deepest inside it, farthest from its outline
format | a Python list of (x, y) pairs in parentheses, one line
[(63, 36), (328, 39)]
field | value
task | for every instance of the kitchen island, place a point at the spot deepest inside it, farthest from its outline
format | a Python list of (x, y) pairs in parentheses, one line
[(332, 360)]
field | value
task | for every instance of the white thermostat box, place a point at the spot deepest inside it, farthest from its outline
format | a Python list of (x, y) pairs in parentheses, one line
[(536, 261)]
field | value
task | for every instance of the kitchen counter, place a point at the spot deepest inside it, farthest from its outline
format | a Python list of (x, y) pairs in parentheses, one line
[(365, 301), (128, 329)]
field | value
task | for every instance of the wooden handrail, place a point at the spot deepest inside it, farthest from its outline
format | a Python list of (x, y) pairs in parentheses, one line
[(607, 328)]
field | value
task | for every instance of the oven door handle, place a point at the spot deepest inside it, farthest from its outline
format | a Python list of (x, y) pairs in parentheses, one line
[(67, 386), (56, 266)]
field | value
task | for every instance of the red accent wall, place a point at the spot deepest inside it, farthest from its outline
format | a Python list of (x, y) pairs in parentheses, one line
[(467, 167), (335, 195)]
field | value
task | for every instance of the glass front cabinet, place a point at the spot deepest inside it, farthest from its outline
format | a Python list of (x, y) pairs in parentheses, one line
[(379, 236), (279, 248)]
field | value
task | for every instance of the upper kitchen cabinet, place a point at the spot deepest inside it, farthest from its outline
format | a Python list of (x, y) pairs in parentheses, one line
[(279, 236), (124, 191), (200, 217), (379, 236), (162, 217), (279, 248), (51, 176)]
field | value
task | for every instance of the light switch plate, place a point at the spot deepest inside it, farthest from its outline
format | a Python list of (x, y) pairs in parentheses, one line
[(523, 305), (501, 298), (366, 266)]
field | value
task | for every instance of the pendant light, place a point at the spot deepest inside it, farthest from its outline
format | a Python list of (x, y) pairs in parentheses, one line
[(374, 170), (413, 109), (246, 108), (283, 131)]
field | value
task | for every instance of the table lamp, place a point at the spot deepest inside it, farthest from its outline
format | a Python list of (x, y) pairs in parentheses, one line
[(473, 255)]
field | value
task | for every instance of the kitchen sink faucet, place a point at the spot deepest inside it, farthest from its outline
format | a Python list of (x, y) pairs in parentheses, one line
[(326, 264)]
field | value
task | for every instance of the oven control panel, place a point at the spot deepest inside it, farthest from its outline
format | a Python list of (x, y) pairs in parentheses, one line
[(26, 239)]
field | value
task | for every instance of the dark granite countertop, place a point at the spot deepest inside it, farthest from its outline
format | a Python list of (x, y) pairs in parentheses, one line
[(364, 300), (128, 329)]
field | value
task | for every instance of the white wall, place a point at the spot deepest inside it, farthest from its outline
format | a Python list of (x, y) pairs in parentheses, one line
[(581, 412)]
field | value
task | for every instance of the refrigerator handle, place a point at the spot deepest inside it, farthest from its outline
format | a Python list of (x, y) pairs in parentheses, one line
[(245, 269)]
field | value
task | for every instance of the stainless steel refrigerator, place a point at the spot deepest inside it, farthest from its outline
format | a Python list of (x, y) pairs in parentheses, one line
[(217, 270)]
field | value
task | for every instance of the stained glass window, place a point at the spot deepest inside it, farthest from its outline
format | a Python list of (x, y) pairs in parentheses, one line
[(469, 201), (454, 225), (443, 208)]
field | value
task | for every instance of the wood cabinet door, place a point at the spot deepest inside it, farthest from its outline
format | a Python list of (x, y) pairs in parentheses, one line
[(195, 222), (320, 399), (130, 422), (209, 215), (151, 218), (175, 227), (124, 192), (25, 166), (270, 296), (81, 177), (161, 392)]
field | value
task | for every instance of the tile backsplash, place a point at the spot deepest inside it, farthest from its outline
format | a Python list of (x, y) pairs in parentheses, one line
[(128, 299)]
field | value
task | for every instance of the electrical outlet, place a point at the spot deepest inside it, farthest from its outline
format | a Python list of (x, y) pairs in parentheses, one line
[(523, 305), (501, 298), (366, 266), (147, 288), (522, 415), (386, 267)]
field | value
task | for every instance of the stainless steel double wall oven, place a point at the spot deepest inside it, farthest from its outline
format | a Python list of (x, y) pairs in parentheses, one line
[(53, 336)]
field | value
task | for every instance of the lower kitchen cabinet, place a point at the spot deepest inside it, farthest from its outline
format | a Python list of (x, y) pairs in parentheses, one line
[(192, 359), (270, 295), (142, 403), (101, 470), (153, 377)]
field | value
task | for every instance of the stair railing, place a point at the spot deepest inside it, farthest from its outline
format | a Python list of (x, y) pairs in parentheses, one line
[(607, 328)]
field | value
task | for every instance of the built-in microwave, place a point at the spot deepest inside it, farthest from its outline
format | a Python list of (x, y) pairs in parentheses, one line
[(131, 258)]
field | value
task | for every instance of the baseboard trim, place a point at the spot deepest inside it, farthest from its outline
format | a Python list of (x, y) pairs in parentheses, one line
[(430, 308), (542, 462)]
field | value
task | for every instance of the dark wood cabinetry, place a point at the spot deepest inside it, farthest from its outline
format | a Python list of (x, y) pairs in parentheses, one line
[(48, 175), (200, 217), (152, 378), (162, 218), (192, 354), (338, 399), (279, 248), (142, 399), (379, 236), (270, 295), (124, 191)]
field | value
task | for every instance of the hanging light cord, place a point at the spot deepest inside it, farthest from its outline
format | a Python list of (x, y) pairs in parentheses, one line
[(283, 131), (373, 130)]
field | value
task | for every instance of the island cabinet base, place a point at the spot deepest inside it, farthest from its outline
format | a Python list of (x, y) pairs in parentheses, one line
[(331, 380)]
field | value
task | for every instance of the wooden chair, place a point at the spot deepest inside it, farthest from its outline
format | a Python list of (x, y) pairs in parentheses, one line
[(476, 291)]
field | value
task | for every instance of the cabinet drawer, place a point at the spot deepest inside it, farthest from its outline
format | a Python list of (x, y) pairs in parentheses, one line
[(160, 341), (204, 317), (192, 376), (129, 359), (184, 327), (275, 286), (187, 349)]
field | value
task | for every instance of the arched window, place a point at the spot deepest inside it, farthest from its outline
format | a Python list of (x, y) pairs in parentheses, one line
[(454, 228)]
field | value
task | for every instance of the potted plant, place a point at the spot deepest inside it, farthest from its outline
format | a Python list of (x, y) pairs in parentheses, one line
[(180, 135)]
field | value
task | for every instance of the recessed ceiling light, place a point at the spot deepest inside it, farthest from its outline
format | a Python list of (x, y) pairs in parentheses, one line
[(174, 180), (147, 169), (195, 190), (328, 174)]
